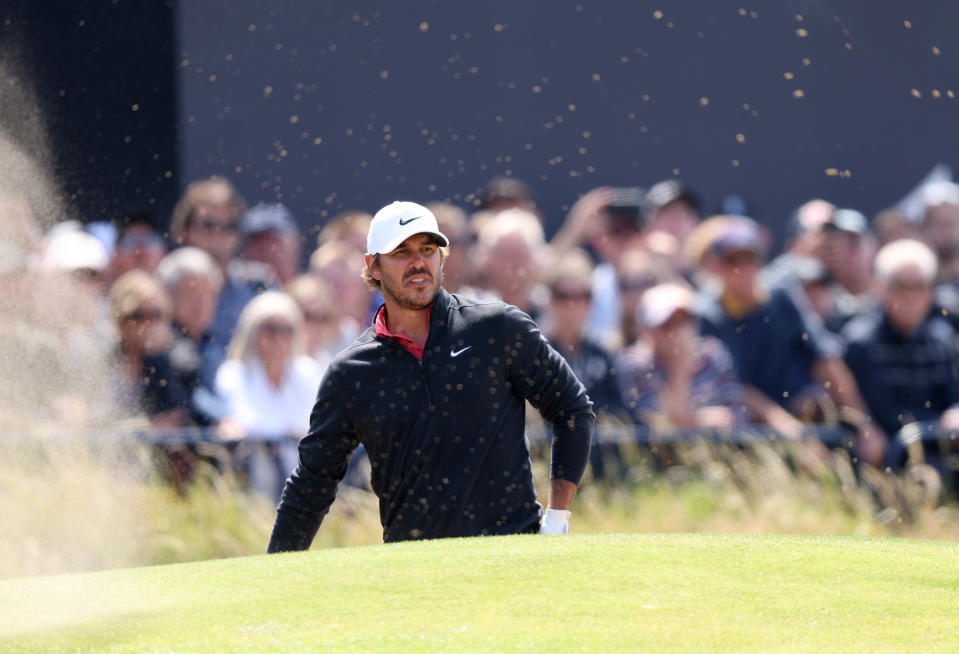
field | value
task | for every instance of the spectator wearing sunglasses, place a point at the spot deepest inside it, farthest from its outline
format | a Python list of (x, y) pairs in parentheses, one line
[(569, 281), (779, 346), (138, 245), (146, 382), (268, 384), (209, 217)]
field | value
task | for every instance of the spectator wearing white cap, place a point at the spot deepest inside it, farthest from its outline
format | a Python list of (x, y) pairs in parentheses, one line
[(435, 390), (69, 249), (671, 376)]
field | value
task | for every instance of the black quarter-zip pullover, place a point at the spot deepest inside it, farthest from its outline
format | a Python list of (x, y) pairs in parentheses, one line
[(445, 435)]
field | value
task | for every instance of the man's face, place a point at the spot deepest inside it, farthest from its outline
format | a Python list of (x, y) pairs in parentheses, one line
[(738, 271), (676, 218), (214, 228), (194, 303), (570, 298), (908, 298), (281, 252), (139, 247), (410, 276)]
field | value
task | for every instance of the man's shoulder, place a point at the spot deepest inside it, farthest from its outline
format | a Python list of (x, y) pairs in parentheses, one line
[(364, 346), (481, 310)]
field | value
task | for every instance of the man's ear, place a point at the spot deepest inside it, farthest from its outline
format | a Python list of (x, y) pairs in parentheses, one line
[(371, 266)]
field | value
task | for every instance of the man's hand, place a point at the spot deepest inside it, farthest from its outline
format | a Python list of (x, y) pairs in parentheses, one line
[(555, 522)]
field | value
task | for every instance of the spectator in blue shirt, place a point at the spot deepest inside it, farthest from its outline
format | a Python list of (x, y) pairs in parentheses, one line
[(780, 350)]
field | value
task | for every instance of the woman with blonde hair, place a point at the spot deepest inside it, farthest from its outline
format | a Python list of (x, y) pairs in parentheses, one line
[(268, 384), (147, 383)]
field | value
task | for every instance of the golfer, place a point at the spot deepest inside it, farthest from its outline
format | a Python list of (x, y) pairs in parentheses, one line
[(435, 391)]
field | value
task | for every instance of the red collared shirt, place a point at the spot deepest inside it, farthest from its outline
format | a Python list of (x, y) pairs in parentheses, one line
[(411, 346)]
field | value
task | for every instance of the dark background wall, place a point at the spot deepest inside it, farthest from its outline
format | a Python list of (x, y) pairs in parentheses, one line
[(102, 80), (330, 105)]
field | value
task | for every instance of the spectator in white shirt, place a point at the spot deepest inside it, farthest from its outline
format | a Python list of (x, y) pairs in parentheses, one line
[(268, 384)]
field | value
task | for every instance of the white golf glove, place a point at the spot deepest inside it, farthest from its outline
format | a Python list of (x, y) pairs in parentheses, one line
[(555, 522)]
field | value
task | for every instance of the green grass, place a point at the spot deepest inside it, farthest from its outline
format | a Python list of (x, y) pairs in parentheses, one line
[(601, 593)]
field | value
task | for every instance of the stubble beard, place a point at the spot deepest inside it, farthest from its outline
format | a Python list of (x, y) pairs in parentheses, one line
[(409, 302)]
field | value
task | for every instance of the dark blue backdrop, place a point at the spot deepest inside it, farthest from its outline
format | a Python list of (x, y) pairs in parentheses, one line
[(328, 105)]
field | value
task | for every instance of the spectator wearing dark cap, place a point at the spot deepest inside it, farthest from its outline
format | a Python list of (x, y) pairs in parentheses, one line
[(139, 245), (271, 237), (503, 193), (803, 239), (781, 352), (847, 250)]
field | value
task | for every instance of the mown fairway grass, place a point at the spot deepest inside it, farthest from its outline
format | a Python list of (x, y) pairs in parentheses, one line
[(600, 593)]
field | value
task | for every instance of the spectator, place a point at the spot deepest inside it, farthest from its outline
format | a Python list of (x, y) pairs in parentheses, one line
[(637, 270), (208, 216), (788, 363), (336, 263), (268, 384), (891, 224), (847, 248), (457, 265), (147, 383), (510, 254), (939, 227), (599, 220), (904, 356), (326, 331), (672, 208), (502, 193), (569, 281), (70, 252), (69, 249), (138, 245), (347, 227), (673, 377), (272, 238), (193, 281), (804, 237)]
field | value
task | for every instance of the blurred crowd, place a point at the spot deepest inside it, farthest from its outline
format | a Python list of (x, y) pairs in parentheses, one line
[(225, 315)]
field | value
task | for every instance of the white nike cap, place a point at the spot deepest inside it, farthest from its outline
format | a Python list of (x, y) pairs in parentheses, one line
[(396, 222)]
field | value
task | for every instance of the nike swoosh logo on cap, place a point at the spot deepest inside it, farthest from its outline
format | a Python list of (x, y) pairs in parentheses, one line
[(456, 353), (409, 220)]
